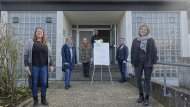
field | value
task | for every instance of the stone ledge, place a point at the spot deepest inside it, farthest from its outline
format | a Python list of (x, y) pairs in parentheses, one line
[(180, 97)]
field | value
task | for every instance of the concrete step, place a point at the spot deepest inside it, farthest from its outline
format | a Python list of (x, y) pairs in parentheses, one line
[(77, 74), (112, 67)]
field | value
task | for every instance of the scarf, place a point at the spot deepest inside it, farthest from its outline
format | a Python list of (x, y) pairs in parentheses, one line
[(86, 45), (69, 45), (71, 49), (143, 40)]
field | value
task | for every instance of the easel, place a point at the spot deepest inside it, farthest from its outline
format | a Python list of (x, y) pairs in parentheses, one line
[(101, 74), (99, 62)]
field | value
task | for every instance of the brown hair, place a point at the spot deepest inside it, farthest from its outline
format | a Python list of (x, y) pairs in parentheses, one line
[(148, 30), (122, 38), (44, 40)]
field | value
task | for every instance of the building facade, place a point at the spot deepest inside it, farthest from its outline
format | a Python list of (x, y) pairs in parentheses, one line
[(168, 28)]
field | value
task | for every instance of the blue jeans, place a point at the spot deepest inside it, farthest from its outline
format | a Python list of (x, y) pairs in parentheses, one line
[(68, 73), (122, 68), (39, 73)]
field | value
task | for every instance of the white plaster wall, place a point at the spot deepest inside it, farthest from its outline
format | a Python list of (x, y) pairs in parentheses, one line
[(63, 30), (185, 45), (121, 27), (129, 38), (125, 29)]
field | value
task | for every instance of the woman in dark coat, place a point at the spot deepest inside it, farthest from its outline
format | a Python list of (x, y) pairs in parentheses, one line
[(143, 58), (68, 54)]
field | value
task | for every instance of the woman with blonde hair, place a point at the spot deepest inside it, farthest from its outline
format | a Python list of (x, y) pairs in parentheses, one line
[(143, 58), (37, 58), (68, 53)]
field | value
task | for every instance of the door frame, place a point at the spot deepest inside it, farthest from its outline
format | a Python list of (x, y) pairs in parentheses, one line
[(77, 40), (90, 29)]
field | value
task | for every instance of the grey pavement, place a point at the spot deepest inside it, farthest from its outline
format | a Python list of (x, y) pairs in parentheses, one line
[(99, 94)]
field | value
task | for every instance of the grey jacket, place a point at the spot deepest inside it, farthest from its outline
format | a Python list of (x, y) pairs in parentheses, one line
[(28, 53)]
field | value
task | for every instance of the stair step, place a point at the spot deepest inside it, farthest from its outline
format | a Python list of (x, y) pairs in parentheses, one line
[(97, 76), (115, 67), (80, 70), (77, 74)]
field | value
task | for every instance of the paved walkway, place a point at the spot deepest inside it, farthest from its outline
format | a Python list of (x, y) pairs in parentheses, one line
[(83, 94)]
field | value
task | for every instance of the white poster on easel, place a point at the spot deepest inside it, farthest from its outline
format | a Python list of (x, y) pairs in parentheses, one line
[(101, 54)]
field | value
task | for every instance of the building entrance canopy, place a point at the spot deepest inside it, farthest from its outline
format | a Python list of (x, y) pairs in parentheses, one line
[(93, 5)]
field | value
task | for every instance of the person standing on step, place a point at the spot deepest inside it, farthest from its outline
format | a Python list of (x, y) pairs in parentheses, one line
[(85, 56), (143, 58), (95, 38), (121, 57), (68, 53), (37, 57)]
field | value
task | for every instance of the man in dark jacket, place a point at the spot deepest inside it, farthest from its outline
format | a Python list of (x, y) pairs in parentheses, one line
[(68, 54), (121, 57), (94, 38)]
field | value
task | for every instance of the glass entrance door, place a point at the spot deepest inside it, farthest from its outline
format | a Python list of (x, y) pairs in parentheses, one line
[(84, 34), (108, 35)]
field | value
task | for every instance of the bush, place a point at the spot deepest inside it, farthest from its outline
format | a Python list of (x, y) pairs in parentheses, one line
[(9, 54)]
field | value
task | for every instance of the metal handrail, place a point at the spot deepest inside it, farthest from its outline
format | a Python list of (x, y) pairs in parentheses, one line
[(166, 93), (172, 64)]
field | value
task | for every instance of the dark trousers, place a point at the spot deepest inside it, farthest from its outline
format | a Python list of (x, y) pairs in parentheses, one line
[(39, 73), (147, 74), (86, 69), (122, 69)]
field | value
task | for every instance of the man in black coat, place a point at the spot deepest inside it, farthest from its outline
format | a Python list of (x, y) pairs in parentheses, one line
[(95, 38), (121, 57)]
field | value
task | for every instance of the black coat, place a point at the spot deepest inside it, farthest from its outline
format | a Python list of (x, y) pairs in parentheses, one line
[(151, 52), (122, 54), (95, 37), (66, 57)]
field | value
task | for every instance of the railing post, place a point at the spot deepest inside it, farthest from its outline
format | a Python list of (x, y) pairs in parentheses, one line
[(165, 90)]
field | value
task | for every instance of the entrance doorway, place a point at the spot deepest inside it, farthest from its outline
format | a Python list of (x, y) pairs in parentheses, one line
[(105, 34)]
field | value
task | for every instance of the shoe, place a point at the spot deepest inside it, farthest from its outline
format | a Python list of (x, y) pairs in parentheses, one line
[(141, 99), (35, 104), (121, 81), (44, 101), (66, 87), (87, 76), (146, 102), (69, 86)]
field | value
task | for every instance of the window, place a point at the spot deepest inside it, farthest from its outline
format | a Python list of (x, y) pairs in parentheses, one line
[(24, 29), (165, 29)]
